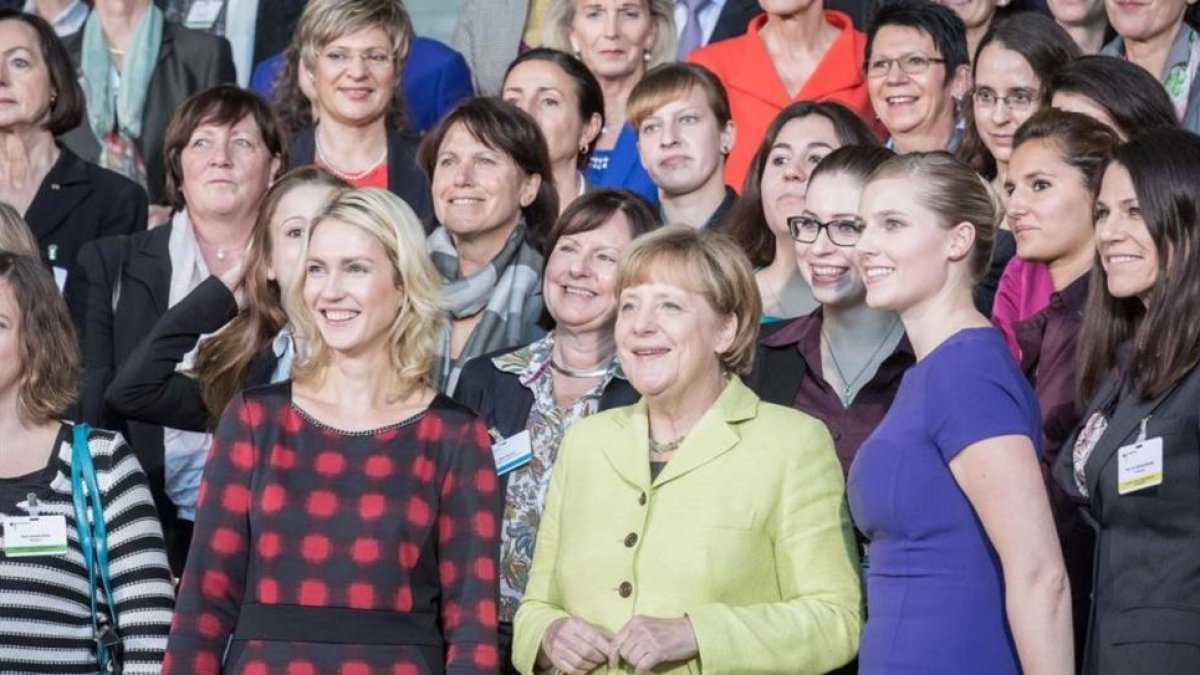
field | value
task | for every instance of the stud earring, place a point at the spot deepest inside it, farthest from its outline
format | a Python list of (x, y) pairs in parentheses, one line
[(646, 56), (583, 148)]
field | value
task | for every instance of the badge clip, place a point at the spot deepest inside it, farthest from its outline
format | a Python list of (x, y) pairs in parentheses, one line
[(32, 505), (1142, 433)]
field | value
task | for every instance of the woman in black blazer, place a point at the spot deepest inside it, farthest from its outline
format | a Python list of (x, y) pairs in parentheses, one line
[(530, 395), (224, 148), (65, 200), (1135, 461)]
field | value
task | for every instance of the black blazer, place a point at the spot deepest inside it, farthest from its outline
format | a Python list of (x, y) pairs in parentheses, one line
[(504, 403), (1146, 581), (147, 387), (189, 61), (78, 202), (405, 180)]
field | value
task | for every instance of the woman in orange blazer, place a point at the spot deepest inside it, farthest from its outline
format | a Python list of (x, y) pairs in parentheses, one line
[(795, 51)]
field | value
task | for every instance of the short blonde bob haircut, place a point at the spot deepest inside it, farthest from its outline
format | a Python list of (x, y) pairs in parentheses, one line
[(15, 235), (49, 354), (707, 263), (418, 325), (557, 32)]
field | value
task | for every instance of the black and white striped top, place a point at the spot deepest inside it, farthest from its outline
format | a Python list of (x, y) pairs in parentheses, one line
[(45, 622)]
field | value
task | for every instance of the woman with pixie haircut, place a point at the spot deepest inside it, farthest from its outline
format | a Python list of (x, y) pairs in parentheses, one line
[(702, 525), (349, 515)]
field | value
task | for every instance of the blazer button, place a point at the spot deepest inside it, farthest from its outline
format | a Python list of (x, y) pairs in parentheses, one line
[(631, 540), (642, 499), (625, 589)]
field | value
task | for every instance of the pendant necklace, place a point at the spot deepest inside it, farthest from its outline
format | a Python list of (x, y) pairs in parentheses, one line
[(848, 384)]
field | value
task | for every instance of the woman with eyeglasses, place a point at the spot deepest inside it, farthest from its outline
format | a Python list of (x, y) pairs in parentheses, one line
[(340, 92), (799, 137), (1013, 67), (843, 362)]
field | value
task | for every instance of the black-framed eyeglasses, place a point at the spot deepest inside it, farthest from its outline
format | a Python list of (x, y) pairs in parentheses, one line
[(911, 64), (1018, 100), (841, 231)]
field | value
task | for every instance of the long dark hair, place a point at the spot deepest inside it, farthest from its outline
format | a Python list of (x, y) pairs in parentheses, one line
[(1132, 97), (1044, 45), (587, 87), (747, 222), (1164, 335)]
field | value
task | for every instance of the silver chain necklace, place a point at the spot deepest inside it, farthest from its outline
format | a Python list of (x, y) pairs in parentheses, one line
[(848, 385)]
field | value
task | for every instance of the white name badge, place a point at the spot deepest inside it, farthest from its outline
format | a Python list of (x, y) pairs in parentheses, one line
[(203, 14), (34, 535), (1140, 465), (512, 452)]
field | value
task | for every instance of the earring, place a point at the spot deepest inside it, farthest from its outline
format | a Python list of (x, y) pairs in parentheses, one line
[(724, 149), (583, 148), (53, 98), (578, 54), (646, 56)]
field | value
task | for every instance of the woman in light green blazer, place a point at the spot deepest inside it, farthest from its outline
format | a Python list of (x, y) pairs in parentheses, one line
[(701, 527)]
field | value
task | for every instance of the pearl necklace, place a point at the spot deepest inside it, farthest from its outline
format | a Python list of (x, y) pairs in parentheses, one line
[(350, 177)]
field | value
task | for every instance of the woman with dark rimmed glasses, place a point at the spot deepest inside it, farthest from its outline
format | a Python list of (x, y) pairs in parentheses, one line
[(842, 363)]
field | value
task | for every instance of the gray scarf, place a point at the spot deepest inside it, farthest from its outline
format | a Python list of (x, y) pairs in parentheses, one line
[(507, 290)]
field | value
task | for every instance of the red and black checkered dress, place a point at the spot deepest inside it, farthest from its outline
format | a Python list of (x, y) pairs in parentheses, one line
[(324, 551)]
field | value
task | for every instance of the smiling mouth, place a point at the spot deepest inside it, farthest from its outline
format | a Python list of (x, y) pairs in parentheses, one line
[(1123, 259), (874, 274), (900, 100), (650, 353), (828, 274), (581, 292), (339, 317)]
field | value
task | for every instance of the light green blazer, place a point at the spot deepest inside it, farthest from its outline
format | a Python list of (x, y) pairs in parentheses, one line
[(746, 531)]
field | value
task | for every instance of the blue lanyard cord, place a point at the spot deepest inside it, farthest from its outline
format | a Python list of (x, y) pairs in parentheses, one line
[(93, 541)]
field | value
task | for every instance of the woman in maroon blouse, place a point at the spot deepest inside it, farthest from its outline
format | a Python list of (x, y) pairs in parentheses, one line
[(347, 520)]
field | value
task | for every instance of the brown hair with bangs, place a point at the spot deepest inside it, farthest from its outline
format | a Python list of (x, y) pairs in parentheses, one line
[(50, 361), (507, 129), (714, 266), (222, 105), (671, 82)]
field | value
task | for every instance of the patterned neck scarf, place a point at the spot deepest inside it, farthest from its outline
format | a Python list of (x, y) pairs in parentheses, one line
[(115, 112), (506, 291)]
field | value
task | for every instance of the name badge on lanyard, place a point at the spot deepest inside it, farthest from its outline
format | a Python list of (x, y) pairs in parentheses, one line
[(36, 534), (1140, 464)]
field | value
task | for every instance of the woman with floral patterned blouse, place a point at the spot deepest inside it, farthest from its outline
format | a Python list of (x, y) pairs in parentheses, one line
[(347, 518), (530, 395)]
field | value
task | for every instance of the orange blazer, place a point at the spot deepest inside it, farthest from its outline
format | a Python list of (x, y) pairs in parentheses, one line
[(756, 94)]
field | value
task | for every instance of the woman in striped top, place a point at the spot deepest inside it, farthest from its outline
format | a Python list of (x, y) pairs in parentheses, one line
[(45, 612)]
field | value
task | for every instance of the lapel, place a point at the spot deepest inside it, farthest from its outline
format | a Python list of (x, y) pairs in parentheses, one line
[(628, 451), (150, 266), (623, 158), (1121, 429), (65, 186), (734, 17), (714, 434), (304, 148)]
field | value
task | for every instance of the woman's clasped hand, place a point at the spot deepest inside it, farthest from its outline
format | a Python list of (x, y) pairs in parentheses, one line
[(573, 645)]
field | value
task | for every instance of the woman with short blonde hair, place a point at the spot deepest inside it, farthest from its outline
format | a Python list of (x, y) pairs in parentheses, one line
[(350, 516), (340, 92), (15, 236), (747, 563)]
